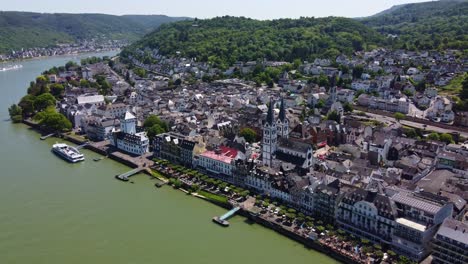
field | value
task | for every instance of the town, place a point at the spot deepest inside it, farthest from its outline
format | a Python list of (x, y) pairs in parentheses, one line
[(365, 154), (85, 46)]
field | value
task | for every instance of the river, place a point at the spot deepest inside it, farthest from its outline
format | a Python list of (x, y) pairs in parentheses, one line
[(55, 212)]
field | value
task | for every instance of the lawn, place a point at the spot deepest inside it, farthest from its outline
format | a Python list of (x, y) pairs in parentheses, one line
[(454, 87), (214, 197)]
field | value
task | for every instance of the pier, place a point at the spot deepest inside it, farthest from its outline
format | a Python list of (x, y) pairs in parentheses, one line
[(222, 220), (47, 136), (128, 174)]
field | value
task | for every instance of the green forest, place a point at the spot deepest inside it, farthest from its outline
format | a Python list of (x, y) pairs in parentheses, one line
[(430, 25), (29, 30), (225, 40)]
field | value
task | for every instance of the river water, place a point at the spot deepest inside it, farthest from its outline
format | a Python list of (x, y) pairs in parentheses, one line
[(55, 212)]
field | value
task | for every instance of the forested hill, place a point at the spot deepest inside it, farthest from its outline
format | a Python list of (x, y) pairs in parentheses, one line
[(27, 30), (428, 25), (225, 40)]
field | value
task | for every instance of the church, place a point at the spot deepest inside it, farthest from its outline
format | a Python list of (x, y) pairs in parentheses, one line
[(278, 150)]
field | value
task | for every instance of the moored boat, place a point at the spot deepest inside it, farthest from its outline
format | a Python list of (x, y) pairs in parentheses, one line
[(67, 153)]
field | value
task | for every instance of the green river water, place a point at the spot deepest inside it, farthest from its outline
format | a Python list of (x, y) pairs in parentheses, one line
[(55, 212)]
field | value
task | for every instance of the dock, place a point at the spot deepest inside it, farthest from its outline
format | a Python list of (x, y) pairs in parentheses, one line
[(222, 220), (128, 174), (47, 136)]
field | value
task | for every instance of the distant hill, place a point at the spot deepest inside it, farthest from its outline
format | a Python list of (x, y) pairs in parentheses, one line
[(428, 25), (26, 30), (225, 40)]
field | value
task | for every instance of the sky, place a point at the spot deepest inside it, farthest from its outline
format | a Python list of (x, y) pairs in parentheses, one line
[(259, 9)]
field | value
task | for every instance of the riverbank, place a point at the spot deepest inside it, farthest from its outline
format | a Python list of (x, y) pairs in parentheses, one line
[(58, 56), (205, 194)]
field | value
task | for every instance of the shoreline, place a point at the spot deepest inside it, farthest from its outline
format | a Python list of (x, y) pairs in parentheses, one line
[(306, 242), (55, 56)]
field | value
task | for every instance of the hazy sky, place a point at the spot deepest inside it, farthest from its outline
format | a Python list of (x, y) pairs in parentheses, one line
[(261, 9)]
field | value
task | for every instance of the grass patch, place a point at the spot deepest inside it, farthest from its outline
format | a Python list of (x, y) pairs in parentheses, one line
[(454, 87), (158, 175), (214, 197)]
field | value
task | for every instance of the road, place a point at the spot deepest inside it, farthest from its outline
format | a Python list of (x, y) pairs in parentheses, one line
[(391, 120)]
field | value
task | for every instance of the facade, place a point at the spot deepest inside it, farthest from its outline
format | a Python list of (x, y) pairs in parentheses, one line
[(368, 214), (218, 163), (451, 243), (176, 148), (99, 129), (277, 148), (269, 181), (325, 199), (418, 217), (128, 139)]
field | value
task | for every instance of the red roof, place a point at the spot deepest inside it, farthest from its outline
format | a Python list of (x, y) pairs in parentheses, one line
[(223, 154)]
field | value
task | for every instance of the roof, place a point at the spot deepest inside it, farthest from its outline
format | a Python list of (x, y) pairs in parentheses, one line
[(416, 202), (129, 116), (222, 154), (90, 99), (282, 113), (270, 114), (411, 224), (454, 230), (293, 145)]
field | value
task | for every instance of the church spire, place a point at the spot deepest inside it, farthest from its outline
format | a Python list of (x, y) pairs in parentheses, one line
[(282, 113), (270, 115)]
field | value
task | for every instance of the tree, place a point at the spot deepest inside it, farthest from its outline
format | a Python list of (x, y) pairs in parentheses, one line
[(399, 116), (140, 72), (155, 130), (464, 91), (155, 126), (70, 64), (347, 107), (57, 90), (434, 136), (43, 101), (27, 104), (16, 113), (84, 83), (249, 134), (52, 120), (334, 116), (447, 138), (357, 71)]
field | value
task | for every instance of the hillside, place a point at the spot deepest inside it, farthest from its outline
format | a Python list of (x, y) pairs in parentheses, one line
[(225, 40), (27, 30), (428, 25)]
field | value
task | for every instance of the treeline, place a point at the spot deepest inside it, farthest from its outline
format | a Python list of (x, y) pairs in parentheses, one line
[(422, 26), (33, 30), (222, 41)]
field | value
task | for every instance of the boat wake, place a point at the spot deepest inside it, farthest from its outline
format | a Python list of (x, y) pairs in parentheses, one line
[(11, 67)]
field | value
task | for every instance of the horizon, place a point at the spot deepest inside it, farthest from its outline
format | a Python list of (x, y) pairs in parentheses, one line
[(205, 9)]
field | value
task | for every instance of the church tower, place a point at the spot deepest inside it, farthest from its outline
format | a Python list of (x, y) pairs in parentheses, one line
[(128, 124), (283, 122), (270, 137)]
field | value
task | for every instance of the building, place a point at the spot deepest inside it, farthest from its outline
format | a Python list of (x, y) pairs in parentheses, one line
[(99, 129), (176, 148), (368, 214), (218, 163), (277, 148), (418, 215), (128, 139), (451, 243), (325, 199)]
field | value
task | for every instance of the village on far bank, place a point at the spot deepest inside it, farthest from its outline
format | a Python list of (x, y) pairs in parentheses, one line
[(373, 144)]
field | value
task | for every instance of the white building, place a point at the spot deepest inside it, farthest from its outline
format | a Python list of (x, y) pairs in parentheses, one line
[(128, 139)]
